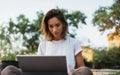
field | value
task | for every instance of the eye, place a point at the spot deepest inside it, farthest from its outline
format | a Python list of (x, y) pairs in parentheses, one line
[(57, 25), (50, 26)]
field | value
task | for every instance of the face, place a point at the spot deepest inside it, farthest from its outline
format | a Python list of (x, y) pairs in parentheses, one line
[(55, 26)]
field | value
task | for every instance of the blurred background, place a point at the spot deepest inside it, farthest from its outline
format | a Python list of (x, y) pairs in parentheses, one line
[(95, 23)]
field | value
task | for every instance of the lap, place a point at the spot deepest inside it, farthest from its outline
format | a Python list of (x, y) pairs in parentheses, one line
[(82, 71), (11, 70)]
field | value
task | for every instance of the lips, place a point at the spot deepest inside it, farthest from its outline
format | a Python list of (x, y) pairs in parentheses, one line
[(56, 33)]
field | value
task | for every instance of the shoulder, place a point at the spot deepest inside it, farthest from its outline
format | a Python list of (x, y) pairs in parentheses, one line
[(43, 42), (73, 40)]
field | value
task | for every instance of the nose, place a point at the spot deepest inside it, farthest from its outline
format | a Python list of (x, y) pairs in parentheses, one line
[(54, 29)]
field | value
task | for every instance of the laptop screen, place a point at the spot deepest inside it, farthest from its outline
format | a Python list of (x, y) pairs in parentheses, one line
[(34, 63)]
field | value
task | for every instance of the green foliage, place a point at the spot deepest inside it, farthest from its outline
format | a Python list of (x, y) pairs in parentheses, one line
[(107, 17), (114, 54), (12, 55), (30, 32), (74, 18), (9, 56), (88, 63), (30, 29), (100, 58), (104, 58)]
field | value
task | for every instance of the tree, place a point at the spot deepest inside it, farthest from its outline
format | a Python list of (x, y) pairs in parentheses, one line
[(30, 29), (74, 19), (104, 58), (5, 44), (108, 17)]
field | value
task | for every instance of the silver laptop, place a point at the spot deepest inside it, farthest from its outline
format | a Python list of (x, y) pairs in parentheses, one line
[(34, 63)]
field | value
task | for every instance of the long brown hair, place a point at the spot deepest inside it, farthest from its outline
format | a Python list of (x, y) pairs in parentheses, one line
[(50, 14)]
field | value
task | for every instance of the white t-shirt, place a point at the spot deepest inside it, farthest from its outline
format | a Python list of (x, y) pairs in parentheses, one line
[(69, 48)]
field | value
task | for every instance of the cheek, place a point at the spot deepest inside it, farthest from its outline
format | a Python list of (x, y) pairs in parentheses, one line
[(50, 29), (61, 28)]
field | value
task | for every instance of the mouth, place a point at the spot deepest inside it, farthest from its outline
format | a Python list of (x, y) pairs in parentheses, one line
[(56, 34)]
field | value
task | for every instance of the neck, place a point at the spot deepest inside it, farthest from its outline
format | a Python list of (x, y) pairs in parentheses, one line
[(55, 38)]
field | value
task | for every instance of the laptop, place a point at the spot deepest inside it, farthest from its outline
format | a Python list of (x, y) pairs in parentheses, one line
[(42, 65)]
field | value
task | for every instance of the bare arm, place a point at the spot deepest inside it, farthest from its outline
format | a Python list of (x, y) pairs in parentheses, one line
[(79, 60)]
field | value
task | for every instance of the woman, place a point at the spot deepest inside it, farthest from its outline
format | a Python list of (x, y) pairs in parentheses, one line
[(57, 43)]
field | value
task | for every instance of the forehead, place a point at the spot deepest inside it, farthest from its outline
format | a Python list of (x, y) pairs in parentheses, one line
[(53, 20)]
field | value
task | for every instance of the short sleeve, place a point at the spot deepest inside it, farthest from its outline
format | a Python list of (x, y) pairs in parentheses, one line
[(77, 46)]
